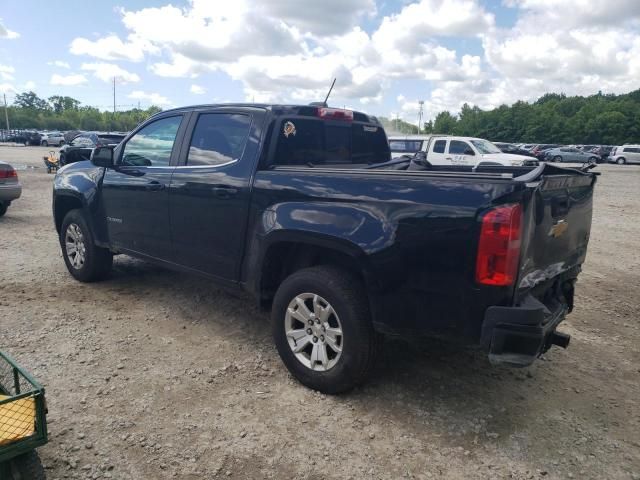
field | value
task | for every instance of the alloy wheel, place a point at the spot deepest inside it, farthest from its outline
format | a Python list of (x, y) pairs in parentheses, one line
[(75, 246)]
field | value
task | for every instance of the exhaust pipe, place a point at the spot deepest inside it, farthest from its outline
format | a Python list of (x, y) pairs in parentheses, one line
[(560, 339)]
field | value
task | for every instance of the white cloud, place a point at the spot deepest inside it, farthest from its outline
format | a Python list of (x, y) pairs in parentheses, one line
[(6, 72), (197, 90), (30, 85), (107, 71), (6, 33), (152, 98), (112, 48), (68, 80), (59, 63), (7, 88)]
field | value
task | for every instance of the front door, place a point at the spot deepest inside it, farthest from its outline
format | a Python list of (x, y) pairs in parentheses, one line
[(135, 193), (210, 191), (461, 153)]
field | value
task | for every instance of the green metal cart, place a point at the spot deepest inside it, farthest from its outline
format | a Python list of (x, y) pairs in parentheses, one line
[(23, 423)]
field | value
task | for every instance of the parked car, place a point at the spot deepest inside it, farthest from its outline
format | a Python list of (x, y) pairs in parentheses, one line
[(625, 154), (603, 151), (82, 145), (539, 150), (51, 139), (302, 207), (10, 188), (512, 148), (570, 154), (450, 150), (26, 137)]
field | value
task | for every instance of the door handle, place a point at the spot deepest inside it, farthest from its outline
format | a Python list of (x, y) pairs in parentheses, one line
[(448, 158), (154, 186), (223, 191)]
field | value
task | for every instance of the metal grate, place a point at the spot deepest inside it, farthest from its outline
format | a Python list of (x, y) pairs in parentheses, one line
[(17, 419)]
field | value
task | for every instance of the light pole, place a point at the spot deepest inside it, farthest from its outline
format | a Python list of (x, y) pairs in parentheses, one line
[(421, 103)]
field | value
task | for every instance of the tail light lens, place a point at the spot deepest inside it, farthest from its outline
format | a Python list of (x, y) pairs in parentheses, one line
[(335, 114), (8, 173), (499, 247)]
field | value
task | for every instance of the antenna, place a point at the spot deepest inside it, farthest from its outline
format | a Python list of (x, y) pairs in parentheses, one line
[(329, 92)]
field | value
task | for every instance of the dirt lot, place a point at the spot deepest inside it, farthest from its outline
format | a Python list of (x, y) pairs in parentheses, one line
[(154, 374)]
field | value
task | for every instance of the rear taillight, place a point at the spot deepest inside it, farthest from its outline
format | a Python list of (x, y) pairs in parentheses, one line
[(8, 173), (499, 247), (335, 114)]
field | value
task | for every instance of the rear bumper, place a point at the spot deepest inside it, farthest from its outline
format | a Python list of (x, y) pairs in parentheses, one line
[(10, 191), (516, 336)]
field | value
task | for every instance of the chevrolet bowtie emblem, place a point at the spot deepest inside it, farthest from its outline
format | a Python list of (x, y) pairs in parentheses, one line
[(558, 229)]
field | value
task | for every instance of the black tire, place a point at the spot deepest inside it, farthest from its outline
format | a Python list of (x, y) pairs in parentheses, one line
[(45, 143), (360, 344), (621, 161), (557, 158), (593, 159), (61, 143), (97, 261), (3, 208), (24, 467), (61, 160)]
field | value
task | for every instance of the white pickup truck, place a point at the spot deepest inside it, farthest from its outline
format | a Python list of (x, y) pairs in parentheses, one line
[(450, 150)]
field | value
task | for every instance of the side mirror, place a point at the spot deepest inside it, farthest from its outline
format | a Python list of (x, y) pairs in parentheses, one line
[(102, 157)]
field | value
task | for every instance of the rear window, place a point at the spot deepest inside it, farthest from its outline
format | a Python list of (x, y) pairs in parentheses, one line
[(405, 146), (311, 142), (631, 150)]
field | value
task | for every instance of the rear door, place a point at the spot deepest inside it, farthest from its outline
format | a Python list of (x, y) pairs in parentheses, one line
[(135, 193), (436, 155), (210, 190)]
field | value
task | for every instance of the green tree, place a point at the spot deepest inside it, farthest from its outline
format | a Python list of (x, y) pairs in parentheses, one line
[(61, 104), (30, 101), (445, 123)]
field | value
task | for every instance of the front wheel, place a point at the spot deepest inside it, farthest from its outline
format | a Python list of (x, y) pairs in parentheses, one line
[(45, 143), (23, 467), (322, 329), (557, 158), (621, 161), (593, 160), (3, 208), (84, 259)]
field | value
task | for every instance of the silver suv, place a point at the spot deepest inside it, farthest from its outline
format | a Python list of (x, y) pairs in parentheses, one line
[(625, 154)]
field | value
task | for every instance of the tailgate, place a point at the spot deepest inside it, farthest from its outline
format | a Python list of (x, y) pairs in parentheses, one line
[(557, 228)]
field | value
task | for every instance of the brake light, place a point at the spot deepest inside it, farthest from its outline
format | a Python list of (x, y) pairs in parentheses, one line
[(335, 114), (8, 173), (499, 247)]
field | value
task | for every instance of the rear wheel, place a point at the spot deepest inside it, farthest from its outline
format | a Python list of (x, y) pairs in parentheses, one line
[(84, 259), (3, 208), (45, 143), (593, 160), (557, 158), (23, 467), (621, 161), (322, 329)]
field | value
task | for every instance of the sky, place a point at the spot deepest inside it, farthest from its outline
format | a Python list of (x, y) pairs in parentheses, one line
[(386, 55)]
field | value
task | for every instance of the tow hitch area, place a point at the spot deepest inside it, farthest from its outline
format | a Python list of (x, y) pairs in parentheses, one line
[(516, 336), (560, 339)]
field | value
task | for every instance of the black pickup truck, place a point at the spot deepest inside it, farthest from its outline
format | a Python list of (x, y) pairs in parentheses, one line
[(302, 207)]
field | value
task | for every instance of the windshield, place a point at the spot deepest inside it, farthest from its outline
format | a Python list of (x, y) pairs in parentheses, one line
[(484, 146), (405, 146)]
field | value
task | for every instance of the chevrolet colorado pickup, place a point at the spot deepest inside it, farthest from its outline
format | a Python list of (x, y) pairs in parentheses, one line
[(303, 207)]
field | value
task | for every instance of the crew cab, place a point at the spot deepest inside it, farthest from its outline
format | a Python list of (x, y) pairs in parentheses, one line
[(302, 207)]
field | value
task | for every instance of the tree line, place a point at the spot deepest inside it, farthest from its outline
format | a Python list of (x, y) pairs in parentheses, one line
[(553, 118), (66, 113)]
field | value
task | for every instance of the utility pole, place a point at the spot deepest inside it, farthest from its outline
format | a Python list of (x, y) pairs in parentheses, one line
[(421, 103), (6, 111), (397, 119), (114, 95)]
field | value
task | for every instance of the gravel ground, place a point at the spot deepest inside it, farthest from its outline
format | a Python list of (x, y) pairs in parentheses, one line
[(154, 374)]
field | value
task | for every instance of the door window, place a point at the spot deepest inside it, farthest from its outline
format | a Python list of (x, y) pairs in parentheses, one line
[(218, 138), (438, 147), (152, 146), (456, 147)]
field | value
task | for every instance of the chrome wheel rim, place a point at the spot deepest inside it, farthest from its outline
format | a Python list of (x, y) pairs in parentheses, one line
[(75, 246), (314, 332)]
